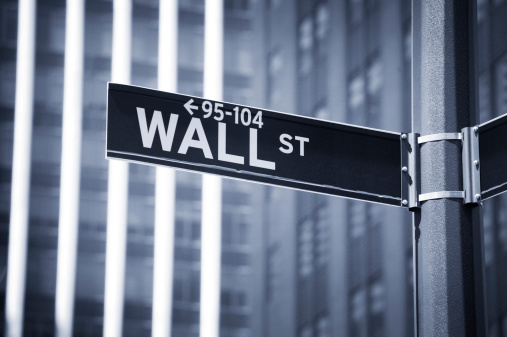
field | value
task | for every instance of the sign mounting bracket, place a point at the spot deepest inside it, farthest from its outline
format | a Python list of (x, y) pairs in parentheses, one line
[(410, 176), (471, 165), (410, 170)]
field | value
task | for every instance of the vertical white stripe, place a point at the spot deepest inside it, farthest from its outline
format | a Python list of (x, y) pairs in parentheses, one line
[(211, 185), (213, 49), (70, 168), (210, 255), (117, 183), (165, 189), (20, 188)]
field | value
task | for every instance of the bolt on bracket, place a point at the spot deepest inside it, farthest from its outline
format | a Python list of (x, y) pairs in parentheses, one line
[(410, 181), (471, 165)]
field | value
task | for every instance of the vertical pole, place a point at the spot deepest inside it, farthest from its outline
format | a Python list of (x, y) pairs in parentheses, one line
[(117, 190), (20, 188), (211, 237), (165, 189), (70, 168), (448, 234)]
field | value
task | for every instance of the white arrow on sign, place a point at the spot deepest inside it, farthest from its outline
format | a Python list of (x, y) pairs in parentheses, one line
[(190, 107)]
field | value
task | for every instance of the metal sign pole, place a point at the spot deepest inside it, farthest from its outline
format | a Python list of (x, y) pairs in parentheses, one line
[(448, 252)]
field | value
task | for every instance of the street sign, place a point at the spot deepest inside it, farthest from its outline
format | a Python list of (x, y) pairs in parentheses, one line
[(192, 133), (493, 156)]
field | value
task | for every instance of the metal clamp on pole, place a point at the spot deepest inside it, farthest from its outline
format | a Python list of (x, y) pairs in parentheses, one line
[(440, 136), (410, 181), (471, 165), (441, 195), (410, 177)]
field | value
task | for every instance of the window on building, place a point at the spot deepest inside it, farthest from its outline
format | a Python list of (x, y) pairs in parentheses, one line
[(9, 25), (46, 147), (484, 97), (377, 297), (92, 96), (275, 64), (187, 223), (233, 299), (234, 229), (357, 219), (7, 83), (191, 46), (322, 234), (322, 112), (375, 79), (375, 241), (6, 151), (187, 229), (150, 3), (194, 5), (57, 31), (140, 213), (49, 88), (244, 58), (92, 214), (306, 331), (305, 46), (138, 281), (178, 288), (357, 97), (356, 11), (305, 248), (357, 233), (323, 327), (377, 308), (273, 267), (322, 21), (238, 58), (90, 152), (237, 5), (186, 286), (189, 87), (358, 310), (44, 207), (501, 86), (98, 35), (145, 41), (482, 10), (239, 95)]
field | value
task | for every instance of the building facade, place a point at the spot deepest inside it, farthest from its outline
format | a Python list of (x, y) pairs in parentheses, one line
[(239, 199)]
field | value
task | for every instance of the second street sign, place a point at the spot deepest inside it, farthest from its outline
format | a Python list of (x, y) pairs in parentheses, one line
[(493, 156), (237, 141)]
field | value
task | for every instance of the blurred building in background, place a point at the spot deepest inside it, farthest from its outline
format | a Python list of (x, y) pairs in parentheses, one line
[(492, 27), (350, 270), (293, 263)]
